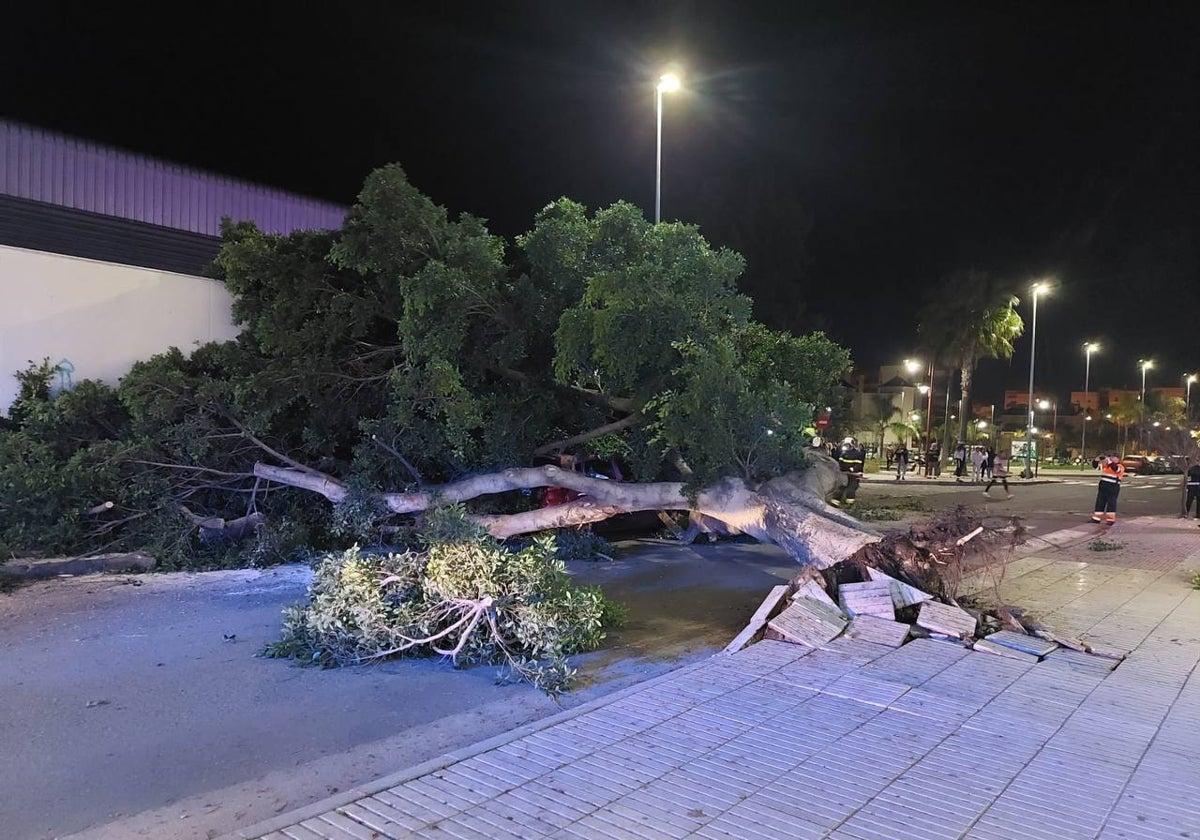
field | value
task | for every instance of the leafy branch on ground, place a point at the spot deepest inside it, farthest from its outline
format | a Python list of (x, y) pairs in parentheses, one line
[(465, 596)]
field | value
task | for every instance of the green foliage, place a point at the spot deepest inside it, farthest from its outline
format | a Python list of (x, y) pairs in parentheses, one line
[(403, 351), (466, 596), (1195, 580)]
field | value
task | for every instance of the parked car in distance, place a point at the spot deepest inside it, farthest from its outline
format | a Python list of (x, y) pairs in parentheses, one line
[(1137, 464)]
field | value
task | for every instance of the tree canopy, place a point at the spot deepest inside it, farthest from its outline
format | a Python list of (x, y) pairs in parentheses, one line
[(411, 348), (971, 315)]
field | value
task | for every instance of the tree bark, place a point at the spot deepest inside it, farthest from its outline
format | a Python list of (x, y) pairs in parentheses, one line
[(789, 511)]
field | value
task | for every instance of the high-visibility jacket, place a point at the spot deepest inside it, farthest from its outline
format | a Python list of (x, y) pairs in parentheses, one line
[(1111, 473), (850, 458), (1193, 476)]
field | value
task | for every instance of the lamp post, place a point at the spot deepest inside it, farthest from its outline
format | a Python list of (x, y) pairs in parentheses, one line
[(1088, 349), (1043, 405), (1145, 364), (668, 83), (1187, 403), (927, 392), (1038, 288)]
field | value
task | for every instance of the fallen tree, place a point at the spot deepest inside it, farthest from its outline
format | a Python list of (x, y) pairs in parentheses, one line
[(789, 511)]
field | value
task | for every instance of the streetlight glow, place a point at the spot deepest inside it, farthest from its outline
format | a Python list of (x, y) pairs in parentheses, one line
[(1038, 288), (667, 83), (1089, 347)]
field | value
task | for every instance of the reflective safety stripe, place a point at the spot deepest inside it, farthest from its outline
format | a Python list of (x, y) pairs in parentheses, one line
[(1111, 479)]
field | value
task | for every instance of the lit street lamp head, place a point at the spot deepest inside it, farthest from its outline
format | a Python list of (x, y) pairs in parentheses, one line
[(668, 83)]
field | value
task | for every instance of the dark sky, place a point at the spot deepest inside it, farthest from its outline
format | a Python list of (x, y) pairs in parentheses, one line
[(854, 152)]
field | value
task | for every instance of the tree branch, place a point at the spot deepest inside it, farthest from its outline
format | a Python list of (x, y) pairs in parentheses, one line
[(592, 434)]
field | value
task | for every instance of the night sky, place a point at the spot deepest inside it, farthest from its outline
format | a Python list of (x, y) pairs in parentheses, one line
[(854, 152)]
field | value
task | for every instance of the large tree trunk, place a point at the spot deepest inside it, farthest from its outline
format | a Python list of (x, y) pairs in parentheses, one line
[(789, 511)]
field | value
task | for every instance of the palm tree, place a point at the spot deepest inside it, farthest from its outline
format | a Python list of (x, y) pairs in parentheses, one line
[(883, 409), (971, 316)]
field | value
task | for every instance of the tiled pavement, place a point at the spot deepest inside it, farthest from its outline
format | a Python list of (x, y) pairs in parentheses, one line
[(857, 741)]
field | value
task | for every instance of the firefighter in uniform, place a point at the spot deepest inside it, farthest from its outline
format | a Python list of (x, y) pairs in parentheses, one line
[(1111, 473), (850, 457), (1192, 482)]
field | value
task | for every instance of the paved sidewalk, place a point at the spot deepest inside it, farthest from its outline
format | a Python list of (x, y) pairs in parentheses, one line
[(857, 741)]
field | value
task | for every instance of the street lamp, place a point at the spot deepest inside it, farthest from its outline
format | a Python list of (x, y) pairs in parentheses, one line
[(667, 83), (1043, 405), (1038, 288), (1187, 403), (1088, 349), (926, 391), (1145, 364)]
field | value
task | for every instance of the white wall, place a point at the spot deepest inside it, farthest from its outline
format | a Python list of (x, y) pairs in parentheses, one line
[(100, 317)]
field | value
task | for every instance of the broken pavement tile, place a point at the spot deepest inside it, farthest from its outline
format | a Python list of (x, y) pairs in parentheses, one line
[(777, 594), (814, 590), (1081, 661), (903, 595), (869, 598), (1023, 643), (871, 628), (809, 622), (988, 646), (945, 619)]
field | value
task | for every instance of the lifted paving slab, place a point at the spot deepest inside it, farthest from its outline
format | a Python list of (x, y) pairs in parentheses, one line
[(852, 740)]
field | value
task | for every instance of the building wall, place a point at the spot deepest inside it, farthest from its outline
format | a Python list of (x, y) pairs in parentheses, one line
[(40, 165), (98, 318)]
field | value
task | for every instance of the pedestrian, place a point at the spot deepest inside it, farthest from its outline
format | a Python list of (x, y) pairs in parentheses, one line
[(1192, 482), (901, 459), (890, 452), (960, 461), (933, 459), (977, 459), (985, 469), (850, 458), (1111, 473), (999, 473)]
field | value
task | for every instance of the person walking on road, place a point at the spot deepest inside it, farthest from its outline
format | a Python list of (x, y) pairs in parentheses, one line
[(999, 473), (901, 458), (933, 459), (850, 458), (1192, 482), (960, 461), (985, 469), (977, 459), (1111, 473)]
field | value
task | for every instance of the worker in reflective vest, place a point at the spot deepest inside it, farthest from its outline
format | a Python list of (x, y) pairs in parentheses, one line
[(1111, 473), (851, 458)]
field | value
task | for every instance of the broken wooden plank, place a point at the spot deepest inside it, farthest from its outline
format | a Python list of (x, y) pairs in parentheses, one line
[(759, 618), (1022, 642), (874, 597), (809, 622), (903, 595), (871, 628), (988, 646), (814, 590), (945, 619), (1107, 652)]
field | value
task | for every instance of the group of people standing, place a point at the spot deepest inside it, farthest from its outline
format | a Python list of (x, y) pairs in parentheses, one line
[(981, 461)]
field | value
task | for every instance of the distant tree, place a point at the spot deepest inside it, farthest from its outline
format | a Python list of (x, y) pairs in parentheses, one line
[(883, 410), (971, 315)]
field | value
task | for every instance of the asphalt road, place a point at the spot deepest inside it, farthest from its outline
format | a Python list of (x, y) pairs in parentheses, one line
[(1065, 499)]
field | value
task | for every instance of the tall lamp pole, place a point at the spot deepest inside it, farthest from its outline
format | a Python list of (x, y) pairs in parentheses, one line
[(1043, 405), (666, 84), (1038, 288), (1088, 349), (1145, 364), (1187, 403)]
